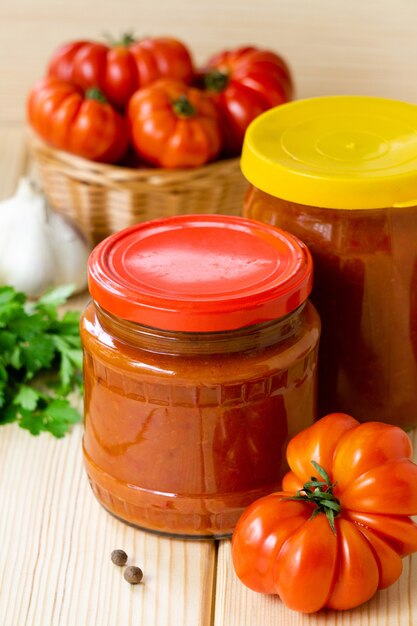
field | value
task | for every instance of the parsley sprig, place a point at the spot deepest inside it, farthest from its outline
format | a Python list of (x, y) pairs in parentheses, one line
[(40, 361)]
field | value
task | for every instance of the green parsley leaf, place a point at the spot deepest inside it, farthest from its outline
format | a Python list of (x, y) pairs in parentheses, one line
[(36, 354), (31, 421), (9, 414), (11, 302), (7, 341), (15, 360), (40, 362), (27, 398), (58, 416), (56, 296), (65, 371)]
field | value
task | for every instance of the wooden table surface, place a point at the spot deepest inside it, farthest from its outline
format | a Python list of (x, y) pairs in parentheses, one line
[(56, 540)]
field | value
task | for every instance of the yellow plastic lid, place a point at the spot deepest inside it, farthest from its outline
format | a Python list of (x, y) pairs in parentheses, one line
[(342, 152)]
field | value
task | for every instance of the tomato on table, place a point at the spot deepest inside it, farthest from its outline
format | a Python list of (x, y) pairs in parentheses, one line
[(340, 527)]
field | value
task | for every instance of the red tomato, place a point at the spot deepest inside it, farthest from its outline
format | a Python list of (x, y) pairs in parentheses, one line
[(245, 82), (173, 125), (118, 71), (338, 531), (84, 124)]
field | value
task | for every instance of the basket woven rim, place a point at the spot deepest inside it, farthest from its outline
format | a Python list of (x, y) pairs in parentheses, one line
[(119, 173)]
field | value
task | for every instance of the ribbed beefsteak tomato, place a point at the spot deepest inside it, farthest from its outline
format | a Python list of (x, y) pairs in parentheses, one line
[(84, 124), (119, 70), (338, 530), (244, 83), (173, 125)]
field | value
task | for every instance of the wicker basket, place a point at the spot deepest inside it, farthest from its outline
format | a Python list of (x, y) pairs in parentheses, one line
[(102, 199)]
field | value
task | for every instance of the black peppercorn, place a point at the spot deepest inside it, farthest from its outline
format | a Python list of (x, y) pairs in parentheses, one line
[(119, 557), (133, 574)]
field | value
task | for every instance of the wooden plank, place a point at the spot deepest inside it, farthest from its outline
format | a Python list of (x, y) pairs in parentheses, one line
[(333, 47), (236, 605), (55, 567)]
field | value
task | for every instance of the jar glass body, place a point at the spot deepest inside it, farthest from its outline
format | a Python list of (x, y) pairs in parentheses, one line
[(184, 430), (365, 289)]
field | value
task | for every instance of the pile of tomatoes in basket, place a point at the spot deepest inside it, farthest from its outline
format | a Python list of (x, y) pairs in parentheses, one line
[(146, 98)]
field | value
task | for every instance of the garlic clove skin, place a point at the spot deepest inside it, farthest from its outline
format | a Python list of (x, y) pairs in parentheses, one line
[(13, 211), (38, 248), (70, 251), (26, 261)]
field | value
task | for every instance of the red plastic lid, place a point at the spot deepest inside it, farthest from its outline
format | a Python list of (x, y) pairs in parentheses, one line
[(200, 273)]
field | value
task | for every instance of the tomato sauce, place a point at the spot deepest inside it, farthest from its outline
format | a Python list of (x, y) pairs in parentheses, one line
[(365, 265), (340, 173), (184, 428)]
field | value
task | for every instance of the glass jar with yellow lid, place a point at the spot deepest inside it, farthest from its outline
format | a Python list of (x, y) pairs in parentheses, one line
[(340, 172)]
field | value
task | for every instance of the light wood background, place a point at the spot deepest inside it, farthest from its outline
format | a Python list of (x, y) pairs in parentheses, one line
[(334, 46), (55, 539)]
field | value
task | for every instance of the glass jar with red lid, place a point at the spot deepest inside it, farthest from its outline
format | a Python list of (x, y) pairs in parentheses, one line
[(340, 173), (200, 352)]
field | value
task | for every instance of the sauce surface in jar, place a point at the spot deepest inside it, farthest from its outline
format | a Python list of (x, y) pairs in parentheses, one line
[(200, 351), (341, 174)]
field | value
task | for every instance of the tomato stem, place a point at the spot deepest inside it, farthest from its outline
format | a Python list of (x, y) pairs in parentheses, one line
[(183, 107), (126, 39), (216, 80), (94, 93), (320, 493)]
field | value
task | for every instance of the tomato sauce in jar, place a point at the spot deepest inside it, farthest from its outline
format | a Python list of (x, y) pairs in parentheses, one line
[(341, 174), (200, 352)]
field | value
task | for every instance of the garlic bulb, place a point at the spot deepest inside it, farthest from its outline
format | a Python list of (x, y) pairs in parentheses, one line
[(39, 249)]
